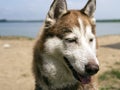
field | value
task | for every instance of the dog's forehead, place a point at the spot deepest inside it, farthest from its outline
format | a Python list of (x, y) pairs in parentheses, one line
[(73, 19)]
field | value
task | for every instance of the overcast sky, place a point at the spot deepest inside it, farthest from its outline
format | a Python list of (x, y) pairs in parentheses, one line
[(37, 9)]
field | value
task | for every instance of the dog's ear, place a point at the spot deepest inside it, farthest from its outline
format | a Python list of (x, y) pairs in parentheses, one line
[(57, 9), (90, 8)]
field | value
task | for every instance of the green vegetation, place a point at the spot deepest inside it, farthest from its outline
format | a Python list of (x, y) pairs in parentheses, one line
[(117, 63), (109, 78), (110, 74), (109, 88)]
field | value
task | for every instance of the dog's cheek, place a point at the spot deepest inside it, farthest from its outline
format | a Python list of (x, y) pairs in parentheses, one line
[(53, 45)]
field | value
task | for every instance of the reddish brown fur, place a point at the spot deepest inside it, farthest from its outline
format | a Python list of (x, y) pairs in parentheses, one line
[(60, 28), (68, 21)]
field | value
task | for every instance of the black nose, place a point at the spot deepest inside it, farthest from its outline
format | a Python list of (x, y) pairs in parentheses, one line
[(91, 68)]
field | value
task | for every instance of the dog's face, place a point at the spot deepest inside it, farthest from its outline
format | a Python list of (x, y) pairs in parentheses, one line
[(71, 36)]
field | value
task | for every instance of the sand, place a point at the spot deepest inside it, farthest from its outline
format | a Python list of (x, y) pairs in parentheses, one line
[(16, 60)]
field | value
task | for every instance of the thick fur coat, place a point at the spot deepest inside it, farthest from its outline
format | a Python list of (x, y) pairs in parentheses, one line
[(65, 52)]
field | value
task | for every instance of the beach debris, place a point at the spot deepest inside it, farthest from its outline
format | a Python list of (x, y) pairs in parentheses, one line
[(6, 45)]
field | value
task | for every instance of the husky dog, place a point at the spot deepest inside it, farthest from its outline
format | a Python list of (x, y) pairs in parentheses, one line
[(65, 52)]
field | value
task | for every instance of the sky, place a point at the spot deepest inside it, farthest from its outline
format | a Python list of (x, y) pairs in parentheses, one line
[(37, 9)]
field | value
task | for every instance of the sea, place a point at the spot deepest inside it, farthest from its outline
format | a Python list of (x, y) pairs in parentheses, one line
[(31, 29)]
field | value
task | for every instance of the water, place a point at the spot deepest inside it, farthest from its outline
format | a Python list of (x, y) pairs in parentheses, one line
[(32, 29), (20, 29), (111, 28)]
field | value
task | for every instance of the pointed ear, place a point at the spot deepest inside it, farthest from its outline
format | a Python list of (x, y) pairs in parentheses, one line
[(57, 9), (90, 8)]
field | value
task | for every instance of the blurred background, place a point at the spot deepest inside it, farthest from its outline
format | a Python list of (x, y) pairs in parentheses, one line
[(24, 17)]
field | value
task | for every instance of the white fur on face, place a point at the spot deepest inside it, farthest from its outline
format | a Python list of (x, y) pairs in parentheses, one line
[(54, 66), (81, 53), (53, 46), (90, 35), (78, 54)]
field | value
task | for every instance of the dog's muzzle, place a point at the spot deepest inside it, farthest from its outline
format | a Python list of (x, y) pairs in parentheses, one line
[(89, 69)]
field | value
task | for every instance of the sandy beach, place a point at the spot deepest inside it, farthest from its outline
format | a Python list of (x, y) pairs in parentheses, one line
[(16, 60)]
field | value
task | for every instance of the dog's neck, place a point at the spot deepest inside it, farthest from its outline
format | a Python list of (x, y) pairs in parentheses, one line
[(75, 86), (69, 87)]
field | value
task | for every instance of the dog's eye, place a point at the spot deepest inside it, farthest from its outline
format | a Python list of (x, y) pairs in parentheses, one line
[(71, 40), (91, 40)]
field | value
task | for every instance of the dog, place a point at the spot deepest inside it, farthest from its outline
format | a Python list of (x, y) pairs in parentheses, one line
[(64, 56)]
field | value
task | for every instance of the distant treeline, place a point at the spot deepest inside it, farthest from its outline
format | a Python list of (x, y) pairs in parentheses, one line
[(5, 20), (109, 20)]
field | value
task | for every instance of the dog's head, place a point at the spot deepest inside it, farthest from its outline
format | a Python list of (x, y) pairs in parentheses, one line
[(70, 34)]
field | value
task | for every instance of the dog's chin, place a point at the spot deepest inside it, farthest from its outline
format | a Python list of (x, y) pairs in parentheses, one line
[(83, 78)]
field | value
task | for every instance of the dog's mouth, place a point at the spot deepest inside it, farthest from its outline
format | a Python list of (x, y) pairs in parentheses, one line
[(84, 79)]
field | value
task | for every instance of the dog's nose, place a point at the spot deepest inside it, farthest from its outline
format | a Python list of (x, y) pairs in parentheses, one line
[(91, 68)]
